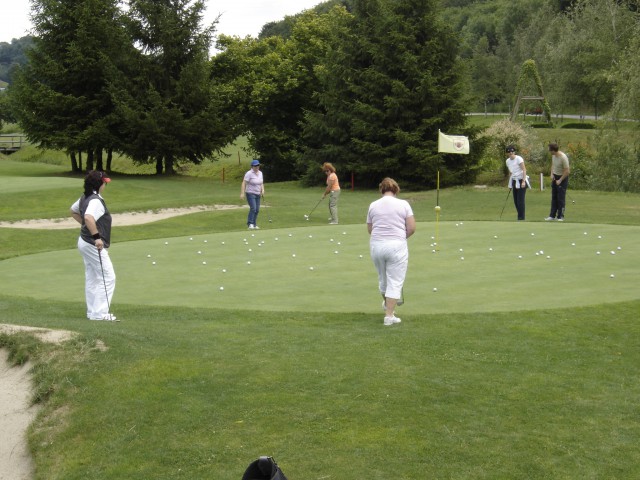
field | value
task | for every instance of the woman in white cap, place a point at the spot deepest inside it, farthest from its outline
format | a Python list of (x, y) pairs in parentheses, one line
[(253, 187), (91, 212)]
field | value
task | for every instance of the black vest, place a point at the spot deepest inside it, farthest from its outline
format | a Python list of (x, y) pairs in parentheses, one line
[(103, 223)]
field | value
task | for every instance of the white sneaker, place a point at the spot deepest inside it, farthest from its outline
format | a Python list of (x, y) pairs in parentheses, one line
[(561, 219), (251, 226), (256, 227), (549, 219), (333, 223), (109, 317), (391, 320)]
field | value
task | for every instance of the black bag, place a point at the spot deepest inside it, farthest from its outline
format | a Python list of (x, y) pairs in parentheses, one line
[(265, 468)]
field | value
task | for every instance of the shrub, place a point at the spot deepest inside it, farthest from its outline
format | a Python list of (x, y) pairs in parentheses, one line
[(615, 166), (580, 126), (505, 132)]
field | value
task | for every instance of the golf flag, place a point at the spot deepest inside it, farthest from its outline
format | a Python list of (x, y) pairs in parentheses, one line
[(452, 143)]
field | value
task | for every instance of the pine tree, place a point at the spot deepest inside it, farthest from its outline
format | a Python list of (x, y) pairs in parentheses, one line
[(388, 84)]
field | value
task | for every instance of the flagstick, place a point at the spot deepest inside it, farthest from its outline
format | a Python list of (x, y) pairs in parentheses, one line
[(437, 211)]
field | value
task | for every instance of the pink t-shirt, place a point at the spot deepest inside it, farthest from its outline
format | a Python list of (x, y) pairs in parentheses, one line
[(388, 216)]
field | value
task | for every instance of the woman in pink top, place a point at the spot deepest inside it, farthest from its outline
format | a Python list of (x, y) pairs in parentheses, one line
[(390, 222), (333, 190)]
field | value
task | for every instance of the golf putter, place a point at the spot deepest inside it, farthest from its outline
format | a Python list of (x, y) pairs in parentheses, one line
[(104, 282), (265, 204), (505, 203), (316, 206)]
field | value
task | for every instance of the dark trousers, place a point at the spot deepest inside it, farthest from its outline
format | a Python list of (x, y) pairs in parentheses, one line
[(518, 198), (558, 197)]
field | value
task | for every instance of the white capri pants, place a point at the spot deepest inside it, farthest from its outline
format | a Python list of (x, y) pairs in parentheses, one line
[(391, 258), (95, 292)]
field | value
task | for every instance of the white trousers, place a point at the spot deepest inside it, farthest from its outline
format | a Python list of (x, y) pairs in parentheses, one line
[(98, 291), (391, 258)]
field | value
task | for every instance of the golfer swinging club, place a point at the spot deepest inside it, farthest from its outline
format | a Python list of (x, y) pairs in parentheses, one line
[(91, 212)]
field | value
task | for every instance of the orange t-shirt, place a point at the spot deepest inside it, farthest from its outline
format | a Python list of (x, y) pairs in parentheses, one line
[(333, 178)]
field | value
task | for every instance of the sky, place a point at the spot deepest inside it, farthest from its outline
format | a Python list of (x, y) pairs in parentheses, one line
[(239, 17)]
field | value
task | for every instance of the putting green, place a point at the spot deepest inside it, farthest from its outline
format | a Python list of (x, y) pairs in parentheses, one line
[(477, 267)]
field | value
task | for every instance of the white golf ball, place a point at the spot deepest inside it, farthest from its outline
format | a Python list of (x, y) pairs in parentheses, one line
[(519, 256), (153, 263), (573, 244), (336, 252), (495, 236), (310, 268), (433, 251), (291, 235), (307, 219), (276, 239), (597, 253), (461, 250), (490, 249), (344, 233), (456, 224), (541, 252), (250, 250), (433, 238), (224, 270), (537, 254), (310, 236), (613, 252), (259, 244), (199, 252), (461, 258), (533, 234), (294, 255), (208, 240), (190, 238), (612, 275), (204, 263), (249, 262), (599, 236), (585, 233), (221, 288), (244, 239), (166, 243), (360, 256), (548, 256), (253, 234), (435, 289), (306, 216), (221, 242), (331, 239), (339, 243), (619, 248), (148, 256)]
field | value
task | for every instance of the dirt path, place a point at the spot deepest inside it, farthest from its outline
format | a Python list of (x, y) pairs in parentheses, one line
[(119, 219)]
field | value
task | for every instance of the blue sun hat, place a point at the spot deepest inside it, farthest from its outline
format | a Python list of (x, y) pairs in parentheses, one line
[(255, 162)]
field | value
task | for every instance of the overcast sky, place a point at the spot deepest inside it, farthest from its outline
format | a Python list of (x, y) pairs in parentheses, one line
[(239, 17)]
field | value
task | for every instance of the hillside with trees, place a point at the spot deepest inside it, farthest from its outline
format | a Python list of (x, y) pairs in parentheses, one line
[(363, 83)]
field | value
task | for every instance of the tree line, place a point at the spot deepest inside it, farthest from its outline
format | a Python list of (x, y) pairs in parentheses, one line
[(365, 84)]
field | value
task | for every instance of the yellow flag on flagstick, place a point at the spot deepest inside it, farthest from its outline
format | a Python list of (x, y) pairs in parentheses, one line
[(452, 143)]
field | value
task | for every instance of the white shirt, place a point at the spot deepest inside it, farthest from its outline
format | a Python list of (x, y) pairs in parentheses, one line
[(95, 208), (388, 216), (515, 167)]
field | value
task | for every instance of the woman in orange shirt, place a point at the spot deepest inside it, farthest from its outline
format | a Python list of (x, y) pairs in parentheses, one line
[(333, 190)]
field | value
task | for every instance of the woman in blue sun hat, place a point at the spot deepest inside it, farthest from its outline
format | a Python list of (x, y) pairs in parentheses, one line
[(253, 188)]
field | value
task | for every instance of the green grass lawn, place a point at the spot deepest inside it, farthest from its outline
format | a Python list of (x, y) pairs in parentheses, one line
[(518, 368)]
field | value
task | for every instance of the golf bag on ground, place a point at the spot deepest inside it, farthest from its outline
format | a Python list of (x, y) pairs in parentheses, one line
[(265, 468)]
